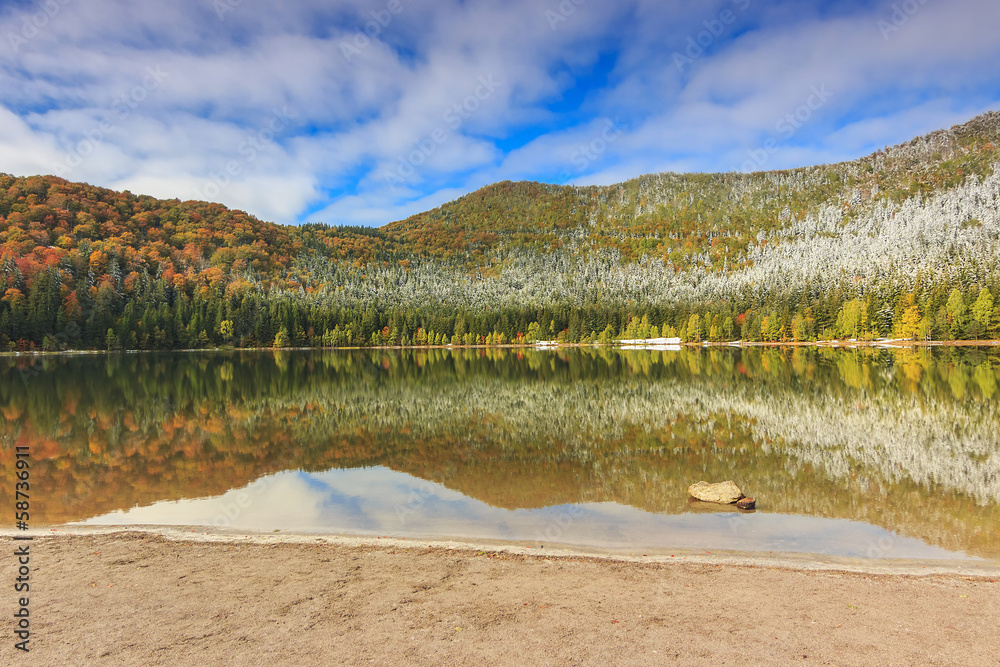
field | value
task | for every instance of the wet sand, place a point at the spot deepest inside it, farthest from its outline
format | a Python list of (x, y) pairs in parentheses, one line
[(184, 597)]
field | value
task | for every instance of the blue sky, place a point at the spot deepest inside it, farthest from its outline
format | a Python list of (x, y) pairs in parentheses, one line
[(364, 112)]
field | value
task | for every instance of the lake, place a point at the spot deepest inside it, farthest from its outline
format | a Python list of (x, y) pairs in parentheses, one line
[(875, 453)]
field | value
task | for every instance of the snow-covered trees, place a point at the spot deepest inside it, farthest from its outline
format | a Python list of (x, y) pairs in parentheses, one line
[(849, 243)]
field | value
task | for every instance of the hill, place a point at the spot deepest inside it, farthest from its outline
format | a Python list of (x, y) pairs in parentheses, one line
[(904, 242)]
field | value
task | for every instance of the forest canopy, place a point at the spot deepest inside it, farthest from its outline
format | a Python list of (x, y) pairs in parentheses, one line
[(904, 243)]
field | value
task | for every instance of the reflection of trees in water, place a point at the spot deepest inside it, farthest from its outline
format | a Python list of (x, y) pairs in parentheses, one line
[(902, 439), (852, 416)]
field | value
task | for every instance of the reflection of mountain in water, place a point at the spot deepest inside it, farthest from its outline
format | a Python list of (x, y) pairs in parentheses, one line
[(905, 440)]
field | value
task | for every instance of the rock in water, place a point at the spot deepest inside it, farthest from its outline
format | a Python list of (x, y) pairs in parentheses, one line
[(746, 503), (725, 493)]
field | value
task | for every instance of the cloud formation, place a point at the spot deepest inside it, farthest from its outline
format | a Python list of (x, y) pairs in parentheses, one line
[(370, 110), (378, 501)]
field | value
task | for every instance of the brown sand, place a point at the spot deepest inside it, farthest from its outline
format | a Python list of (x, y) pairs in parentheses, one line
[(142, 599)]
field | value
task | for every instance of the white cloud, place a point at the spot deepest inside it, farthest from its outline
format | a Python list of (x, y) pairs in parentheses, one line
[(22, 151), (223, 77), (379, 501)]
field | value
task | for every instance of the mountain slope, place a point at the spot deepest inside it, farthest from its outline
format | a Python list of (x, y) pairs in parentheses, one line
[(677, 216), (901, 229)]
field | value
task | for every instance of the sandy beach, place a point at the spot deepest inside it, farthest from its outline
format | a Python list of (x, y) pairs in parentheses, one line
[(185, 597)]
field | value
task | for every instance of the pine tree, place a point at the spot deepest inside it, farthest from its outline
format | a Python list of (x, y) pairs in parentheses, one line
[(982, 309)]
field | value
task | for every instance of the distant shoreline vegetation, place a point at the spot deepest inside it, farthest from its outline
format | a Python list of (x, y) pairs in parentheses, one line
[(553, 345)]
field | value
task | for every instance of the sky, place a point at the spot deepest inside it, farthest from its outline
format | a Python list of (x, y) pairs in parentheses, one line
[(364, 112), (380, 501)]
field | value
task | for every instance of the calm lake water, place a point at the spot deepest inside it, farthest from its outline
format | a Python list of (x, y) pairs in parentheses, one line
[(864, 453)]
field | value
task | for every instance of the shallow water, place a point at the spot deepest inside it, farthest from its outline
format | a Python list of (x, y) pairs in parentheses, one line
[(869, 453)]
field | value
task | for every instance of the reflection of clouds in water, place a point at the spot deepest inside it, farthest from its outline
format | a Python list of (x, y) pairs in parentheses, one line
[(384, 502), (884, 435)]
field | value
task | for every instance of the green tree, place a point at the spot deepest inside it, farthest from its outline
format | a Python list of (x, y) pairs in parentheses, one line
[(849, 319), (956, 310), (694, 328), (281, 338), (774, 329), (982, 309), (643, 332), (111, 340), (798, 327)]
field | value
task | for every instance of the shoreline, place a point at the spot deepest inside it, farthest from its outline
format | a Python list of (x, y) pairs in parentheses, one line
[(650, 346), (124, 597), (791, 561)]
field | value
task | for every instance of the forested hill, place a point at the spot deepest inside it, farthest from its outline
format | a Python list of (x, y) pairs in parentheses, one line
[(905, 242)]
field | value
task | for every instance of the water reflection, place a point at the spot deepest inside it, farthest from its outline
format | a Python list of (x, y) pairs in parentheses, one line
[(902, 440), (379, 501)]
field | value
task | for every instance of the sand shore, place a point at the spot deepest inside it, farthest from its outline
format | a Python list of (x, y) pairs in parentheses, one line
[(180, 597)]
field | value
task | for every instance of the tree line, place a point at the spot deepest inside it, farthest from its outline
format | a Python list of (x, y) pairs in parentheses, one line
[(155, 314)]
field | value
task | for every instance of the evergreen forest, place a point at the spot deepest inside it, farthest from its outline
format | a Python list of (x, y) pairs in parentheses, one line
[(902, 244)]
